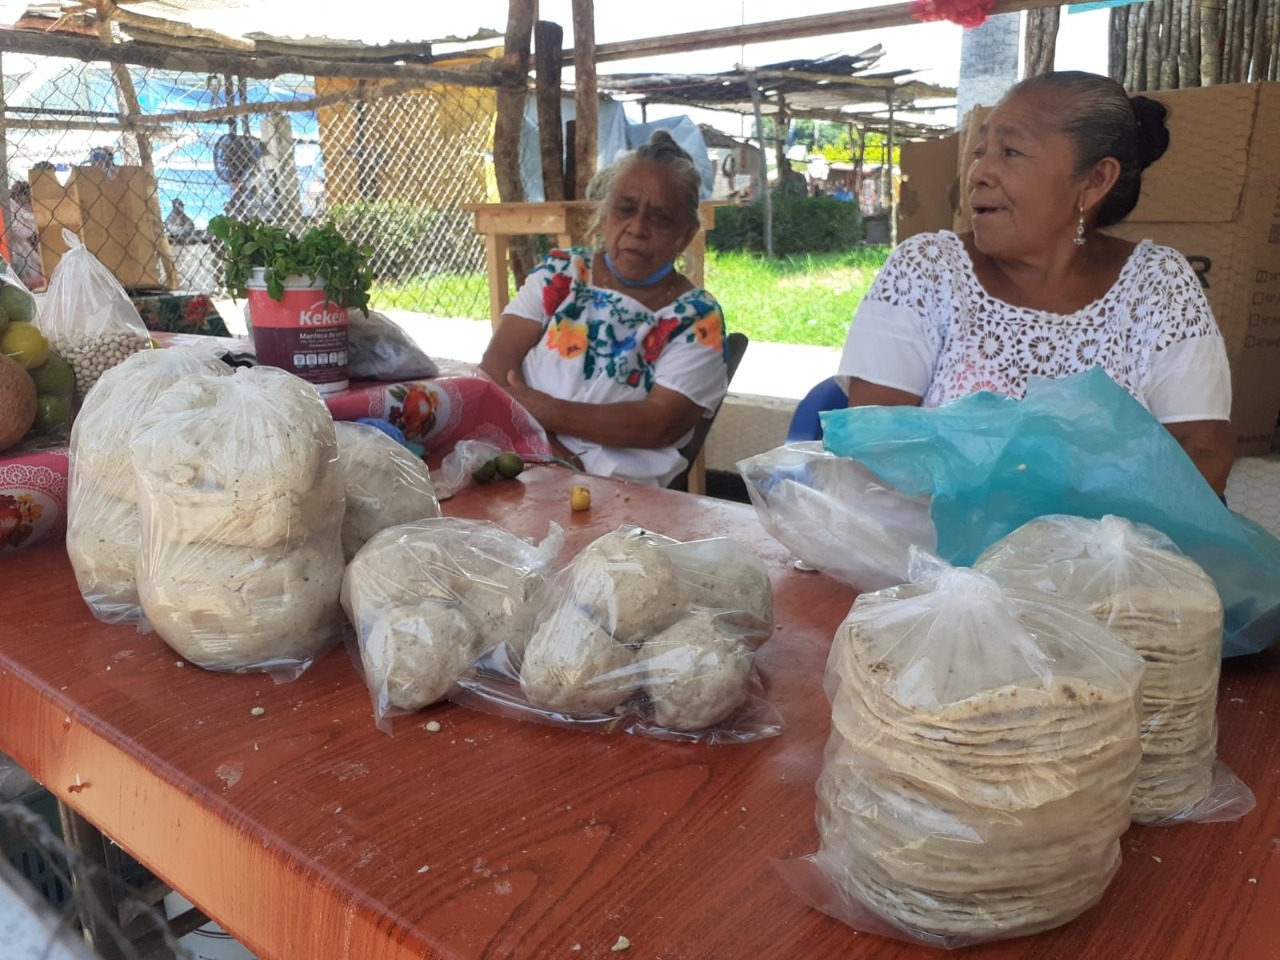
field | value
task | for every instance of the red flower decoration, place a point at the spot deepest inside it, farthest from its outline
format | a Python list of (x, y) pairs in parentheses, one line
[(633, 378), (553, 293), (655, 341), (967, 13), (196, 309)]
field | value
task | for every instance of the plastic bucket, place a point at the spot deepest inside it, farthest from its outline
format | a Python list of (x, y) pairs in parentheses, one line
[(301, 332)]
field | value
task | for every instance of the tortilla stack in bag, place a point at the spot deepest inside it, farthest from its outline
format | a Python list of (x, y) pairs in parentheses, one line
[(976, 781), (1160, 603)]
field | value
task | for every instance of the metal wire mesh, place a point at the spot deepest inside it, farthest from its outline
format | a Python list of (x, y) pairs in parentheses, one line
[(393, 167)]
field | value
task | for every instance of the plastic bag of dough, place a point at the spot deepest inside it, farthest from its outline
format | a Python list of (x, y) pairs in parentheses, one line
[(102, 499), (1165, 608), (427, 598), (87, 317), (241, 505), (983, 748), (385, 484), (835, 515), (645, 634)]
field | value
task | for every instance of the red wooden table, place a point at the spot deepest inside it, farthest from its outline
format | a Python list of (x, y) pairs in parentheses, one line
[(310, 835)]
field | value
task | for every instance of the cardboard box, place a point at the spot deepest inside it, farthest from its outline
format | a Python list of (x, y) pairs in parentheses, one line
[(116, 215), (1215, 196), (929, 190)]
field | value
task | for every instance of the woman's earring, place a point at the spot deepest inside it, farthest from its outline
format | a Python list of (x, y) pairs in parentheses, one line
[(1079, 239)]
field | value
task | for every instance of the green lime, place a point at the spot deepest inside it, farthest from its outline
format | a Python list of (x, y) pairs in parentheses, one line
[(4, 319), (484, 473), (54, 377), (24, 343), (16, 303), (509, 464), (51, 413)]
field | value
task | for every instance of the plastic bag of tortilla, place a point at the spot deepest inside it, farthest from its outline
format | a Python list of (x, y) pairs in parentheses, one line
[(1164, 607), (427, 598), (241, 506), (643, 634), (976, 779), (836, 515)]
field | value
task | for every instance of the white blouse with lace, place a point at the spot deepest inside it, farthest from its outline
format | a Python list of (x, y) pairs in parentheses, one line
[(928, 327)]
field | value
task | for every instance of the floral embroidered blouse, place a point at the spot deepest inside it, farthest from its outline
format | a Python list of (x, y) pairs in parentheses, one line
[(601, 346)]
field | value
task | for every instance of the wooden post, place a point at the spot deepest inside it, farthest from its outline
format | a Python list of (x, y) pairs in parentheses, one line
[(765, 197), (780, 124), (893, 194), (571, 162), (586, 133), (509, 120), (547, 55)]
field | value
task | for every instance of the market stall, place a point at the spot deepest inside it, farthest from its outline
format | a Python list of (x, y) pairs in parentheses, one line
[(283, 812)]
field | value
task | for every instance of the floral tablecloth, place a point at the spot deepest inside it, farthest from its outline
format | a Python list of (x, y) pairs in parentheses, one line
[(461, 404)]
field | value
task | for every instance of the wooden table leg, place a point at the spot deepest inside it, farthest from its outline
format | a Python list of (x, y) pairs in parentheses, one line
[(495, 253), (697, 480)]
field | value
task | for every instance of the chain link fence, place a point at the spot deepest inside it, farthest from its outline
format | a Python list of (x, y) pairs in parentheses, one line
[(392, 166)]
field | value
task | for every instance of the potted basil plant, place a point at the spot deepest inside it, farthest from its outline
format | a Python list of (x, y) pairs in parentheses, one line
[(299, 290)]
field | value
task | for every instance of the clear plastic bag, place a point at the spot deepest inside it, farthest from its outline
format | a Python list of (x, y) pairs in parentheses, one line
[(1137, 583), (427, 598), (836, 515), (458, 464), (1081, 445), (976, 781), (102, 498), (386, 485), (241, 503), (379, 349), (87, 316), (644, 634)]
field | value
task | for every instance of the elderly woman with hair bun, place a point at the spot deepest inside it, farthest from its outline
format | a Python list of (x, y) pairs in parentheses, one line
[(615, 352), (1037, 289)]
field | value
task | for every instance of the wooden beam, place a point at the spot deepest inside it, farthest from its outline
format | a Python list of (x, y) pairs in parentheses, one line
[(549, 38), (163, 57), (586, 127), (849, 21)]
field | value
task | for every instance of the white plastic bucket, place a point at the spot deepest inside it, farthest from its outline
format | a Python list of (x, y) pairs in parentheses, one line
[(302, 332)]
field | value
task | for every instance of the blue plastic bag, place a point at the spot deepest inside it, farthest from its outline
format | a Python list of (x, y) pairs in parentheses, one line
[(1081, 445)]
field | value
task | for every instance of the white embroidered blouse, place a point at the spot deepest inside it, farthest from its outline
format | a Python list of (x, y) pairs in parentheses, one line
[(928, 327)]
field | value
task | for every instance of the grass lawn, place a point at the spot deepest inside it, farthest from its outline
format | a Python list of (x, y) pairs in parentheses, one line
[(805, 298)]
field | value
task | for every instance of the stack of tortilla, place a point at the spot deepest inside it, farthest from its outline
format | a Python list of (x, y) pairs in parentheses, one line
[(1165, 608), (983, 750)]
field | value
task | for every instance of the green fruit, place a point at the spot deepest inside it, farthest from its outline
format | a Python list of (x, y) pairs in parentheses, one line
[(484, 473), (4, 320), (51, 413), (54, 377), (510, 465), (16, 303)]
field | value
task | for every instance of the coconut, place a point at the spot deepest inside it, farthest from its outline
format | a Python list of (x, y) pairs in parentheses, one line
[(17, 402)]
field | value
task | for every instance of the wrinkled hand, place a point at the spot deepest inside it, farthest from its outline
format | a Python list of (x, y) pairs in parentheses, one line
[(534, 401)]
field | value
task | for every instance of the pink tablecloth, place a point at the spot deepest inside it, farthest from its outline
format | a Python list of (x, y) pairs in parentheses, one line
[(461, 404)]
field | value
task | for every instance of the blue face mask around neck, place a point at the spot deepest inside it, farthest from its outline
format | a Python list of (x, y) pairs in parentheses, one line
[(655, 277)]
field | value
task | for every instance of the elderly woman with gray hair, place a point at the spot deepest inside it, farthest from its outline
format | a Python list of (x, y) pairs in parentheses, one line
[(613, 351), (1038, 288)]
